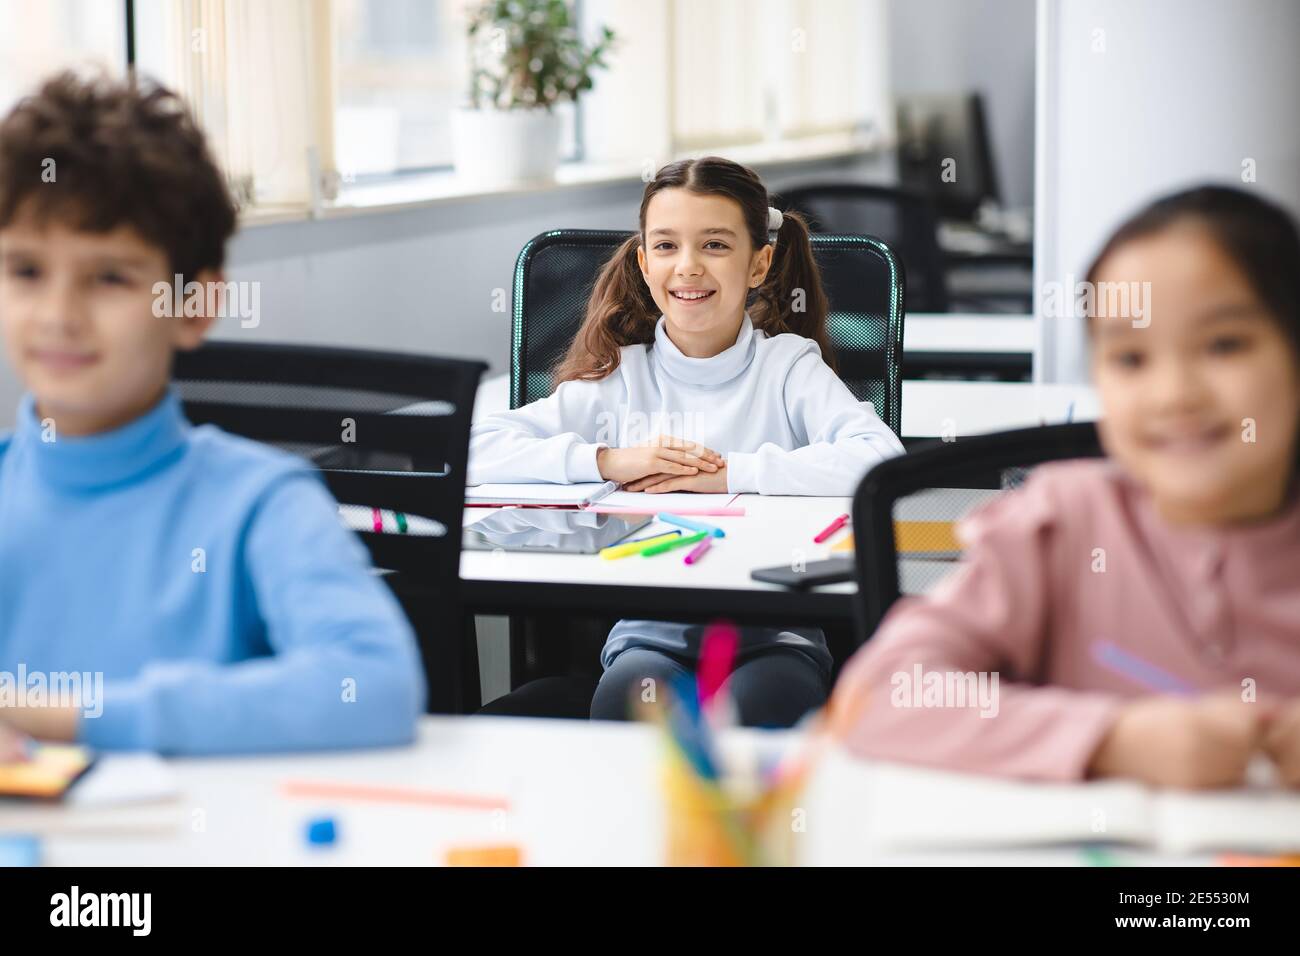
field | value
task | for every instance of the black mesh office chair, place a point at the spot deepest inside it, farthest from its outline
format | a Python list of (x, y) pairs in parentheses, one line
[(387, 430), (864, 282), (905, 221), (904, 507)]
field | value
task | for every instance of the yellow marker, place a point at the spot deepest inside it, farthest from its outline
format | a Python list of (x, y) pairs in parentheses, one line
[(925, 536), (635, 547)]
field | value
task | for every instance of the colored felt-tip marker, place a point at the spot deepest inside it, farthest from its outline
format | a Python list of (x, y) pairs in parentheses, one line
[(632, 547), (831, 528), (673, 543), (1139, 671), (690, 525), (377, 520), (697, 552)]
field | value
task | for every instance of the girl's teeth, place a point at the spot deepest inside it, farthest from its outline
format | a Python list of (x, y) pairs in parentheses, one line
[(692, 295)]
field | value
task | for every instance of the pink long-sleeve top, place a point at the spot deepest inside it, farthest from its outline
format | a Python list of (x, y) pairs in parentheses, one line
[(1075, 560)]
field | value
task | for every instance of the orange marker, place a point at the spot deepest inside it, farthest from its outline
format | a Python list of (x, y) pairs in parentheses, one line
[(505, 855), (1241, 859), (377, 794)]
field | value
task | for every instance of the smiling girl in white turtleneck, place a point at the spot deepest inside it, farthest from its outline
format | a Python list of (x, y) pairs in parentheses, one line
[(672, 384)]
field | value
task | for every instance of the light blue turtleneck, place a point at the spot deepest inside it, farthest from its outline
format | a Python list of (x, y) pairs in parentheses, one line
[(210, 582)]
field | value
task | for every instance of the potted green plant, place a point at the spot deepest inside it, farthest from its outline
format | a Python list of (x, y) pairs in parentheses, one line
[(525, 57)]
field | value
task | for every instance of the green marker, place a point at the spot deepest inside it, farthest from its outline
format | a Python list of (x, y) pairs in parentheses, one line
[(674, 543)]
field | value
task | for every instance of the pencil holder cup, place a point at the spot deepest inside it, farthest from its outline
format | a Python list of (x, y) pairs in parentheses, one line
[(708, 823)]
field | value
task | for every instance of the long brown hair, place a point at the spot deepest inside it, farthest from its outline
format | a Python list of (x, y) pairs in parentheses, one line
[(622, 312)]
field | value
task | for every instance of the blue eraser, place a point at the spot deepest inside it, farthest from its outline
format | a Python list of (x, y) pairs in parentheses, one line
[(20, 849), (321, 831)]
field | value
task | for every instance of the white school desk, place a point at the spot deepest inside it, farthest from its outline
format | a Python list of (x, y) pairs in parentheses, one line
[(773, 531), (958, 332), (968, 345), (578, 793)]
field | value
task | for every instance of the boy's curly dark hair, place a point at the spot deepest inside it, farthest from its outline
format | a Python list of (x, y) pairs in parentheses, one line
[(124, 152)]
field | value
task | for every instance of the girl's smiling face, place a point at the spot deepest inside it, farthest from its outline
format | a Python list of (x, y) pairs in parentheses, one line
[(1202, 405), (700, 264)]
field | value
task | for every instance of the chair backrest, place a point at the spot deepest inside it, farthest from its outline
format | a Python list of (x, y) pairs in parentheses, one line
[(905, 221), (387, 430), (864, 281), (904, 507)]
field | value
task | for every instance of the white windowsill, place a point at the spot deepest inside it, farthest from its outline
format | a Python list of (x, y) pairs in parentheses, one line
[(418, 192)]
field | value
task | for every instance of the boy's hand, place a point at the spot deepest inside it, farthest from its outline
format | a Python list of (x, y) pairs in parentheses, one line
[(1176, 742), (44, 723), (13, 745), (664, 456), (703, 483), (1282, 743)]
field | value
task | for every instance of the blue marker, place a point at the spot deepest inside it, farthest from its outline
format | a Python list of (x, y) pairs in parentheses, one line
[(1139, 671), (690, 525)]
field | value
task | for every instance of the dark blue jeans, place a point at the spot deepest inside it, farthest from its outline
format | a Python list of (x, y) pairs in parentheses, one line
[(772, 687)]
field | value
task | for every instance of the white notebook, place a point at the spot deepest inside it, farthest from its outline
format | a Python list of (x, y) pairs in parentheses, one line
[(556, 496), (605, 494), (134, 793), (666, 501), (917, 808)]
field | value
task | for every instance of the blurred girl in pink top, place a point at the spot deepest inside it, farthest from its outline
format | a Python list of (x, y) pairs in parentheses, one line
[(1180, 553)]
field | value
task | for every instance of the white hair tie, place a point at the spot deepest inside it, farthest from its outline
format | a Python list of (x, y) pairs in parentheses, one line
[(774, 219)]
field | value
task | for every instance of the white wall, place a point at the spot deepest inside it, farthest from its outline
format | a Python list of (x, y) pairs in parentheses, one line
[(948, 46), (1182, 92)]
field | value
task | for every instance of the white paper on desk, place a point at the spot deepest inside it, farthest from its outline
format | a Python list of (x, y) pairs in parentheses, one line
[(120, 794), (544, 494), (923, 808), (665, 502), (124, 778)]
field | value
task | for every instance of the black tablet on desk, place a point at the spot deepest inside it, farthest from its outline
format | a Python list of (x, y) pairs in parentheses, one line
[(550, 530)]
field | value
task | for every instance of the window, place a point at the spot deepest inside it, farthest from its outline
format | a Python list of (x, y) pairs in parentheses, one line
[(298, 95), (39, 39), (400, 69), (257, 76), (709, 74)]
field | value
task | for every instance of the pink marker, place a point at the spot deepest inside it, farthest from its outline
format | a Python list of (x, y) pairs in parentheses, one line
[(377, 517), (831, 528), (717, 654), (697, 552)]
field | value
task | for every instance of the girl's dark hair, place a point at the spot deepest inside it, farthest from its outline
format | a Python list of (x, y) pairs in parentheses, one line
[(622, 312), (1260, 237)]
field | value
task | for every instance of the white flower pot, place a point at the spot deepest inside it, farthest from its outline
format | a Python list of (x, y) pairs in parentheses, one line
[(501, 148)]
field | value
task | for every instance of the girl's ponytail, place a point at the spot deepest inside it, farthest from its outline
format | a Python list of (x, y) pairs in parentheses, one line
[(791, 298), (620, 312)]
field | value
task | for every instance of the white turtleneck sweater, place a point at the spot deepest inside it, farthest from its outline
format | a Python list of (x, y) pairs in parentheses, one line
[(783, 420)]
